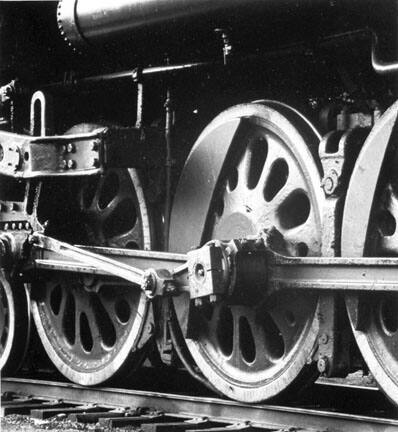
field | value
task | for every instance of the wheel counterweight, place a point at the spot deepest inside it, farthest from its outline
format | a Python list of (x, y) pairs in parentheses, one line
[(262, 175), (95, 329)]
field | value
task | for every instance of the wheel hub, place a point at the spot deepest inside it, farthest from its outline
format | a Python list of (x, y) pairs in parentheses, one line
[(236, 224)]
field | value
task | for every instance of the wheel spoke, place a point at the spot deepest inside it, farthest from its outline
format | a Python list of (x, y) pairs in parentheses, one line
[(129, 239), (275, 153), (257, 348), (62, 307), (95, 333)]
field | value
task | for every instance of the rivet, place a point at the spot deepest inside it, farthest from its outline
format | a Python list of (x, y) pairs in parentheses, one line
[(63, 164), (13, 226), (71, 164), (70, 148)]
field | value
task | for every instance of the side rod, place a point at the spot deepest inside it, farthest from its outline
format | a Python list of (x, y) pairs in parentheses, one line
[(104, 264), (204, 272), (344, 274)]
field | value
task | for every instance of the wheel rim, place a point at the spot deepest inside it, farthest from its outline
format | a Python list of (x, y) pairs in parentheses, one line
[(7, 317), (253, 352), (14, 325), (91, 327), (378, 339)]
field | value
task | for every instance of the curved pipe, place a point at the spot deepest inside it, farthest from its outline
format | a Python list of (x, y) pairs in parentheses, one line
[(40, 114), (379, 66)]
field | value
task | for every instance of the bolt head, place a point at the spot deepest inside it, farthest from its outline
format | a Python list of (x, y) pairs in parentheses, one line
[(328, 185), (323, 364), (323, 339), (198, 302), (214, 298)]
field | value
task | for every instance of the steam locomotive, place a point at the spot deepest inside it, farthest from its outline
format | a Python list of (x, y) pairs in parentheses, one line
[(210, 183)]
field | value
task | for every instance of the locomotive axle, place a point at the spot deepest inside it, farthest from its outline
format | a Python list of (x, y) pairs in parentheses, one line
[(240, 270)]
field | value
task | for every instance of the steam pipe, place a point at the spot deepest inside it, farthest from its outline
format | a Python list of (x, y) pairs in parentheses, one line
[(379, 66), (85, 23)]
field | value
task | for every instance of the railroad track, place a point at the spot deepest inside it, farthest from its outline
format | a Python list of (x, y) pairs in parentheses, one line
[(151, 411)]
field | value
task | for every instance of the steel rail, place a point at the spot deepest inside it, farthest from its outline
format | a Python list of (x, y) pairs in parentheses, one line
[(267, 416)]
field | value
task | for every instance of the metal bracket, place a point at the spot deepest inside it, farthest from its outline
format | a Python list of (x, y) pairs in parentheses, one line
[(23, 156)]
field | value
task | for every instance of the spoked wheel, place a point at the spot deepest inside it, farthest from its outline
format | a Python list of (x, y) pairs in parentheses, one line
[(261, 173), (14, 325), (94, 328), (370, 229)]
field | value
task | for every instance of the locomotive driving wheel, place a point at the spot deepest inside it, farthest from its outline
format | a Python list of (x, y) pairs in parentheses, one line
[(14, 325), (252, 169), (95, 328), (370, 229)]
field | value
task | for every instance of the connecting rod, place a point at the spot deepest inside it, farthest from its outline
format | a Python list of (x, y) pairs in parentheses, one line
[(237, 270)]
